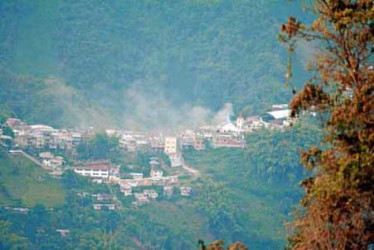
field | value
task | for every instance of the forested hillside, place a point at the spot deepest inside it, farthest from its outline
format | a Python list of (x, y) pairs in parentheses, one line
[(144, 65), (113, 59), (244, 195)]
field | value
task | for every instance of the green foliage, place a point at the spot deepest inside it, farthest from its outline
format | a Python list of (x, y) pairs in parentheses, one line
[(8, 131), (77, 183), (213, 200), (9, 240), (73, 181), (24, 182), (100, 146), (4, 114), (234, 201), (247, 195), (192, 52)]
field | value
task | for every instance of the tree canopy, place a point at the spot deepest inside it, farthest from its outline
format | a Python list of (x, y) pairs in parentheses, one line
[(99, 147), (339, 198)]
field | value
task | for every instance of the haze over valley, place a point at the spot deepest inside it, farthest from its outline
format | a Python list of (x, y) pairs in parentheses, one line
[(146, 124)]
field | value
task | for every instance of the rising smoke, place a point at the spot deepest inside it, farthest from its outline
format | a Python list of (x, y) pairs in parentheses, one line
[(148, 109)]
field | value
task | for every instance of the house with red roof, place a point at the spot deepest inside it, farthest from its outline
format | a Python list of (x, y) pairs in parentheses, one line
[(99, 170)]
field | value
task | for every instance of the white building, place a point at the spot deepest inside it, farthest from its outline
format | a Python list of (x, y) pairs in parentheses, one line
[(278, 118), (173, 179), (101, 206), (76, 138), (185, 191), (136, 176), (46, 155), (126, 189), (140, 199), (171, 145), (151, 193), (93, 170), (280, 114), (240, 123), (228, 128), (111, 132), (42, 128), (175, 160), (156, 173), (255, 122), (279, 106), (54, 162)]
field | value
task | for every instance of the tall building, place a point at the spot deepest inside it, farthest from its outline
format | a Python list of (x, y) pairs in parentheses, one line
[(171, 145)]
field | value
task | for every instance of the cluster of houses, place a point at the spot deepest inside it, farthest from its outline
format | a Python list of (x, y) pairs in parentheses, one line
[(105, 172), (230, 134), (144, 197), (156, 178), (52, 162), (105, 201), (101, 200), (43, 140), (41, 136)]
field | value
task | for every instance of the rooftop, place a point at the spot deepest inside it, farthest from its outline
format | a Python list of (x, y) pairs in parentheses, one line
[(279, 114), (94, 166)]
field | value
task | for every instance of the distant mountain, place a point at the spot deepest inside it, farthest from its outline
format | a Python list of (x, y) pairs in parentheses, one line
[(117, 62)]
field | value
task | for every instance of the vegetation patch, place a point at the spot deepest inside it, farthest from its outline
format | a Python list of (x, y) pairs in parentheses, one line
[(23, 182)]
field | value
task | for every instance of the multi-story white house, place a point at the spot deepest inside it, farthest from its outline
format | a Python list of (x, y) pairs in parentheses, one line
[(99, 170), (171, 145)]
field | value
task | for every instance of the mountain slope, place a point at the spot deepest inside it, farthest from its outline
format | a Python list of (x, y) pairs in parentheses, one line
[(25, 184), (122, 55)]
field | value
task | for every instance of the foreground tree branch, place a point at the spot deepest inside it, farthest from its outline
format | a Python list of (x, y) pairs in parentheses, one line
[(339, 199)]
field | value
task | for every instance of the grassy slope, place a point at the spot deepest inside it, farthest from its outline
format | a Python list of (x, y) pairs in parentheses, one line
[(19, 181)]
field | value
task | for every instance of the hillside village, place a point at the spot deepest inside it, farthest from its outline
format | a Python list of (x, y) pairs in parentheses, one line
[(41, 144)]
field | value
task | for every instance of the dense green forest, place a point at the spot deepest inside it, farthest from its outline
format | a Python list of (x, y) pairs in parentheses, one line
[(101, 63), (244, 195)]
